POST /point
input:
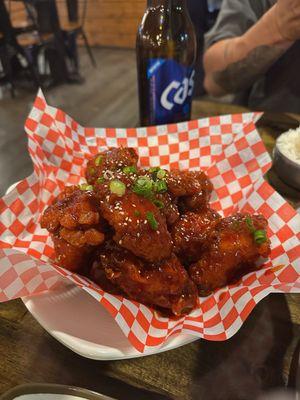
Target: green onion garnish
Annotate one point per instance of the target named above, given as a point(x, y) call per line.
point(250, 225)
point(157, 173)
point(160, 187)
point(98, 160)
point(137, 213)
point(143, 187)
point(101, 179)
point(117, 187)
point(86, 186)
point(260, 236)
point(158, 203)
point(130, 170)
point(154, 169)
point(161, 174)
point(152, 221)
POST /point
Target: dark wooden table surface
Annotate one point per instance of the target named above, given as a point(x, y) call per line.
point(255, 360)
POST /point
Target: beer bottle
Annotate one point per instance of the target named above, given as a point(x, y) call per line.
point(166, 53)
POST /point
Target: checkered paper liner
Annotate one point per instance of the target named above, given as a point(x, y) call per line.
point(231, 151)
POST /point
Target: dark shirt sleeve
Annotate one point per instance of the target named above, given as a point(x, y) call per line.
point(234, 19)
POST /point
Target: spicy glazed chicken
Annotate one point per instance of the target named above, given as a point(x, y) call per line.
point(76, 227)
point(150, 234)
point(232, 248)
point(165, 284)
point(190, 233)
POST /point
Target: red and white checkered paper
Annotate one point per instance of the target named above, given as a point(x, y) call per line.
point(231, 151)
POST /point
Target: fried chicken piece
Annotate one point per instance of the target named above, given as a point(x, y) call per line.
point(73, 208)
point(80, 238)
point(74, 221)
point(138, 224)
point(190, 233)
point(193, 187)
point(72, 258)
point(169, 209)
point(98, 275)
point(110, 160)
point(231, 252)
point(165, 285)
point(169, 206)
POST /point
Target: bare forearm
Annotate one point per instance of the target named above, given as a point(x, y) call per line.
point(242, 74)
point(235, 64)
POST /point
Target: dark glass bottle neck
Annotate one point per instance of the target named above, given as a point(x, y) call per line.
point(155, 3)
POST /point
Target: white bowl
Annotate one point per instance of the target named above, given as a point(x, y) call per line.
point(79, 322)
point(287, 170)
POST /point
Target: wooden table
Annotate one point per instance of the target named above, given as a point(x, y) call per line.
point(257, 358)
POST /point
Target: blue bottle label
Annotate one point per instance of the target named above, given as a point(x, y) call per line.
point(170, 90)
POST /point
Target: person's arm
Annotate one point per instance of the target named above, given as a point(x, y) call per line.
point(232, 65)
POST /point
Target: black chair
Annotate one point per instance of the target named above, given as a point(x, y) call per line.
point(19, 27)
point(11, 50)
point(44, 16)
point(75, 28)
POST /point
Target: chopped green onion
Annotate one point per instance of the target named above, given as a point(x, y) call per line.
point(157, 173)
point(260, 236)
point(160, 187)
point(152, 221)
point(158, 203)
point(117, 187)
point(161, 174)
point(98, 160)
point(92, 171)
point(101, 179)
point(154, 169)
point(250, 225)
point(86, 186)
point(143, 187)
point(137, 213)
point(130, 170)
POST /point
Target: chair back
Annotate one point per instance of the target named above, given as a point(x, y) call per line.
point(5, 23)
point(72, 9)
point(76, 10)
point(44, 15)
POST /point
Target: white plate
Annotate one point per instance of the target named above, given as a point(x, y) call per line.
point(80, 323)
point(45, 391)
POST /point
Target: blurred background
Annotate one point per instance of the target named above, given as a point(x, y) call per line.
point(52, 37)
point(82, 54)
point(51, 42)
